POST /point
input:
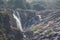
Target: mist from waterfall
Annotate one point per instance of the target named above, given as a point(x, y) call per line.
point(18, 20)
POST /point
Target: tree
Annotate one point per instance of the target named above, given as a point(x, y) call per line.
point(38, 7)
point(1, 3)
point(17, 4)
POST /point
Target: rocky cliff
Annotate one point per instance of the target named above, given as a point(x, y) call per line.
point(7, 30)
point(46, 29)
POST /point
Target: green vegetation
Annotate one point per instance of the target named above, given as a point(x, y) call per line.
point(2, 30)
point(38, 27)
point(1, 20)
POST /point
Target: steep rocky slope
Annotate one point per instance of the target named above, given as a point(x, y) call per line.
point(46, 29)
point(7, 30)
point(49, 28)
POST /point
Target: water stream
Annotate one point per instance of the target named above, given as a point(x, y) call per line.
point(16, 16)
point(40, 18)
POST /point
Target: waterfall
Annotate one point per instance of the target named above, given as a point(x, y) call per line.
point(40, 18)
point(18, 20)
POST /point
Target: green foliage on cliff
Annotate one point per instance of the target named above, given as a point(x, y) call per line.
point(1, 20)
point(37, 27)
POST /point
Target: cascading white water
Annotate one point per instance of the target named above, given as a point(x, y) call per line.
point(18, 21)
point(17, 18)
point(40, 18)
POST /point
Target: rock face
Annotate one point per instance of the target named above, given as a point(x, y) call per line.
point(50, 31)
point(28, 19)
point(6, 27)
point(47, 29)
